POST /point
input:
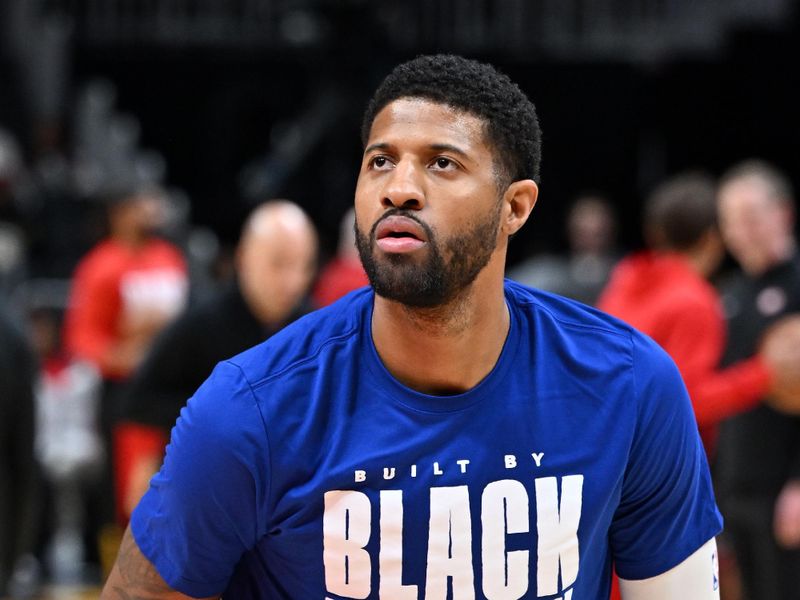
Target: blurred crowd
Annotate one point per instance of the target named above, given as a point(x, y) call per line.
point(733, 333)
point(114, 307)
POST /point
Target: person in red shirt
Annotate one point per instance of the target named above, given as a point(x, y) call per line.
point(663, 292)
point(124, 291)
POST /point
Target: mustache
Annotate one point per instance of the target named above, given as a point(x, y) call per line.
point(400, 212)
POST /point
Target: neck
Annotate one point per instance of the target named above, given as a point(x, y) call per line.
point(700, 262)
point(447, 349)
point(705, 255)
point(130, 239)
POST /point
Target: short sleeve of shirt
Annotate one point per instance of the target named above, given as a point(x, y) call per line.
point(201, 512)
point(667, 510)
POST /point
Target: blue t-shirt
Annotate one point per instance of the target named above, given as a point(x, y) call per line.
point(302, 469)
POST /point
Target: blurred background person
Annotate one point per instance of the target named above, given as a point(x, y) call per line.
point(19, 475)
point(344, 272)
point(663, 291)
point(275, 264)
point(124, 291)
point(69, 447)
point(591, 229)
point(758, 460)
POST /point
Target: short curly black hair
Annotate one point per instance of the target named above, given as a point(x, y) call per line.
point(512, 127)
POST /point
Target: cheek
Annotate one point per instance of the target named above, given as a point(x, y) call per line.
point(289, 280)
point(365, 191)
point(775, 226)
point(738, 230)
point(297, 278)
point(258, 274)
point(756, 232)
point(362, 225)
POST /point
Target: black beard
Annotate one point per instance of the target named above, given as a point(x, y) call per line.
point(434, 282)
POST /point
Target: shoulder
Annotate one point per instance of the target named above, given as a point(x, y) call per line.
point(164, 253)
point(565, 314)
point(103, 260)
point(198, 324)
point(208, 327)
point(164, 247)
point(206, 311)
point(586, 338)
point(330, 329)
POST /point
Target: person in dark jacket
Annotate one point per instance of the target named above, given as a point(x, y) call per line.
point(758, 460)
point(664, 292)
point(275, 265)
point(19, 476)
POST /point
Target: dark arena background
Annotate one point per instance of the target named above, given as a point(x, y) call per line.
point(250, 99)
point(228, 103)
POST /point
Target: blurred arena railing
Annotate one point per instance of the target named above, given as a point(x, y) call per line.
point(568, 29)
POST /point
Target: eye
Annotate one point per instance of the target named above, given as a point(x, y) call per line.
point(379, 162)
point(443, 163)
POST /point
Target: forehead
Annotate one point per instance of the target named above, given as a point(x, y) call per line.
point(279, 239)
point(133, 204)
point(418, 119)
point(751, 193)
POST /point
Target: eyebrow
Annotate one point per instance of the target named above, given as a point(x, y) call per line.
point(448, 148)
point(437, 147)
point(378, 146)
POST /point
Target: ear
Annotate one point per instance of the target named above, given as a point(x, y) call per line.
point(518, 202)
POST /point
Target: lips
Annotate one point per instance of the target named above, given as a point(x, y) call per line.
point(397, 234)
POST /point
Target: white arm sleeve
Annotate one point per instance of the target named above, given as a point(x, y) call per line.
point(696, 578)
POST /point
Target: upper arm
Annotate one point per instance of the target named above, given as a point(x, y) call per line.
point(207, 505)
point(92, 313)
point(134, 577)
point(696, 578)
point(667, 508)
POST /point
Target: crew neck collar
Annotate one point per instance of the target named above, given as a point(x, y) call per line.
point(402, 394)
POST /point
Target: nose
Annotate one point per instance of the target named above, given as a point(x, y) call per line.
point(403, 187)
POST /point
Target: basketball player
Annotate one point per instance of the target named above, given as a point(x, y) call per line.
point(445, 434)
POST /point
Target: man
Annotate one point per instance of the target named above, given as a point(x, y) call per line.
point(124, 291)
point(275, 264)
point(447, 434)
point(664, 293)
point(758, 464)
